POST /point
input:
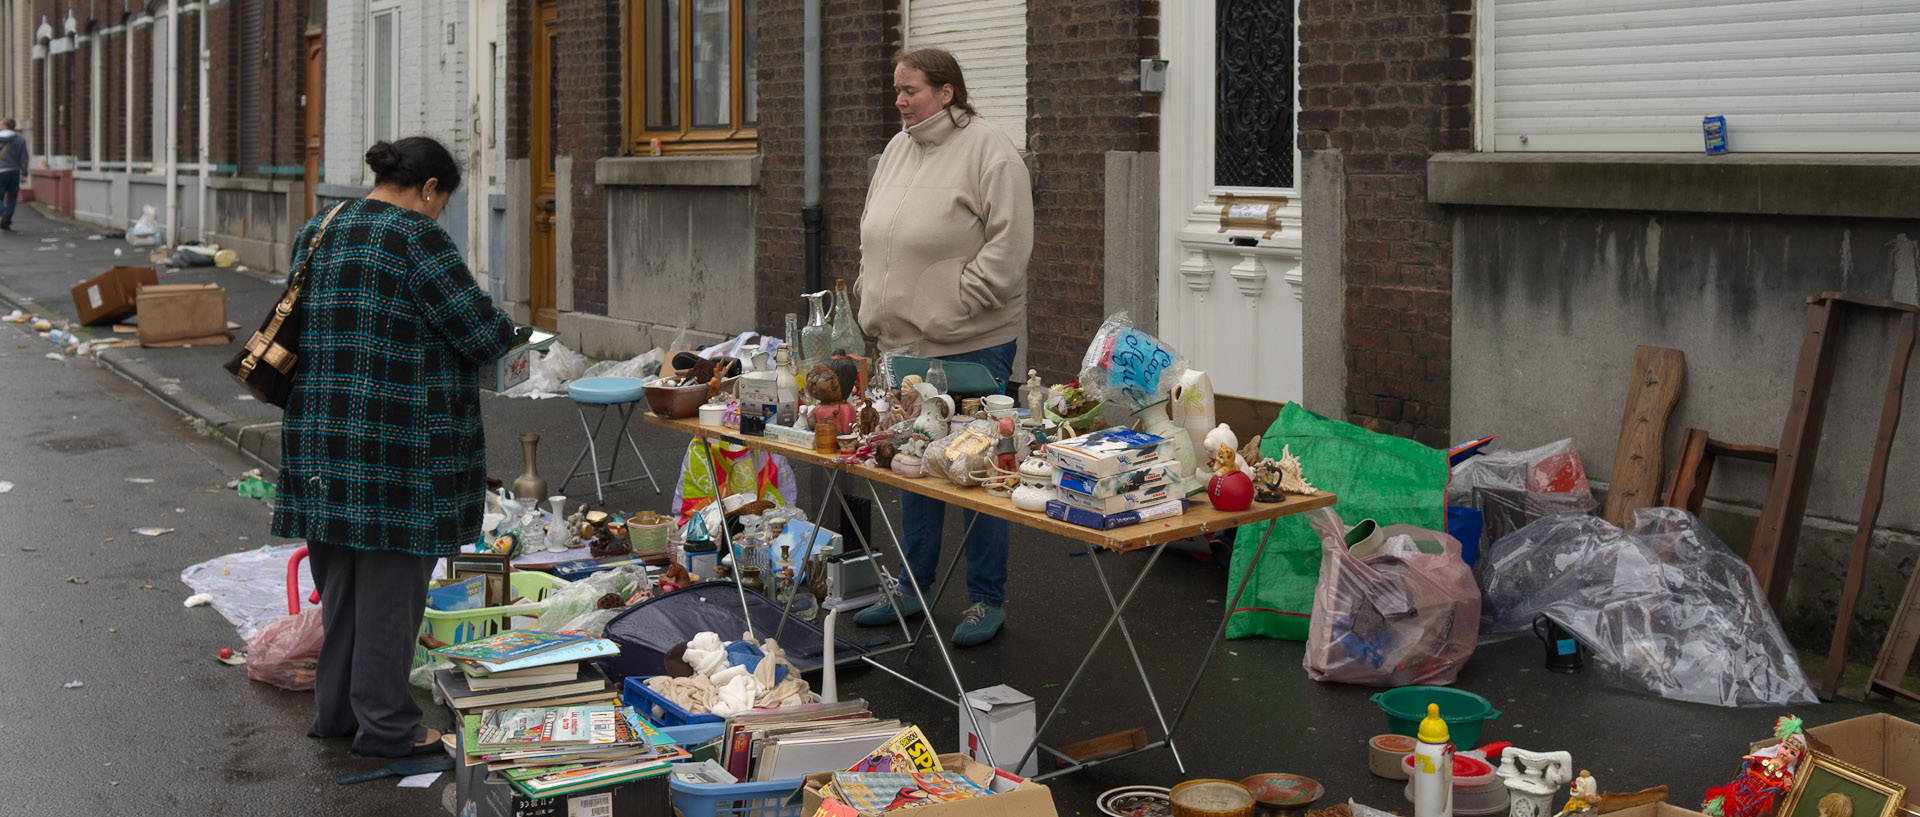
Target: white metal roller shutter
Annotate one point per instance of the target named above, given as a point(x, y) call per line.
point(1638, 75)
point(989, 38)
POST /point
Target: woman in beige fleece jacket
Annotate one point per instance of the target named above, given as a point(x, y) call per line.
point(943, 268)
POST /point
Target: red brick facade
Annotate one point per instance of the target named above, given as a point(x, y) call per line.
point(1388, 84)
point(282, 76)
point(589, 47)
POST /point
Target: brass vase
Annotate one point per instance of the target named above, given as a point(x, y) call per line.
point(529, 484)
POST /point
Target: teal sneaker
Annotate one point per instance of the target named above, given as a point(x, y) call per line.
point(881, 613)
point(980, 624)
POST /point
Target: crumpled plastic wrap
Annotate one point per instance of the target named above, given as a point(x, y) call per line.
point(1128, 367)
point(964, 457)
point(1401, 616)
point(1664, 608)
point(286, 652)
point(644, 366)
point(576, 606)
point(249, 588)
point(1513, 488)
point(549, 374)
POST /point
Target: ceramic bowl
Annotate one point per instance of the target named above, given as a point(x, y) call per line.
point(675, 402)
point(1135, 801)
point(1208, 797)
point(1282, 793)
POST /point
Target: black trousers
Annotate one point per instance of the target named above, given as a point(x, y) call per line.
point(371, 606)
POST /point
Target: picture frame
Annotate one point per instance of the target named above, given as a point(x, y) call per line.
point(496, 567)
point(1822, 776)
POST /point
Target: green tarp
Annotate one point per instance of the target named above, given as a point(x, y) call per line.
point(1391, 480)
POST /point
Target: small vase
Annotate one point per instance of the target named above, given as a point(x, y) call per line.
point(529, 484)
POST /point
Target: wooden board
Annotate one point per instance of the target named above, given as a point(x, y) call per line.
point(1200, 518)
point(1651, 395)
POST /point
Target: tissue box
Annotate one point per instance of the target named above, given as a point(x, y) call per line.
point(1099, 521)
point(1110, 451)
point(1006, 727)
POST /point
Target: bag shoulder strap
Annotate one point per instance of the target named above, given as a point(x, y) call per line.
point(298, 277)
point(265, 343)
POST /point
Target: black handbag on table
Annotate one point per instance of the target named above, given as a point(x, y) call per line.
point(277, 344)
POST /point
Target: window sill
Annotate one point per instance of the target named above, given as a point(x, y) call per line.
point(679, 171)
point(1809, 184)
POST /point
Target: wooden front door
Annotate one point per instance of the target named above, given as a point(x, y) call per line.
point(316, 96)
point(541, 290)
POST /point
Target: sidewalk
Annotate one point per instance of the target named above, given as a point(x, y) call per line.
point(1256, 710)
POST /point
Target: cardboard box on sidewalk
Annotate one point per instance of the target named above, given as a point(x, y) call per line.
point(1880, 743)
point(1013, 796)
point(1656, 810)
point(111, 295)
point(1006, 727)
point(183, 314)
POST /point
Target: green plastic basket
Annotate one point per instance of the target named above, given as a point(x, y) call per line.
point(1463, 711)
point(461, 626)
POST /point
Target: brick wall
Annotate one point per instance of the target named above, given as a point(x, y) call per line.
point(114, 90)
point(857, 43)
point(142, 90)
point(519, 76)
point(1083, 99)
point(587, 114)
point(1388, 83)
point(223, 84)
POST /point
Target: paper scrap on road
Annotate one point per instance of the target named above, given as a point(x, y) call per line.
point(72, 685)
point(419, 781)
point(198, 599)
point(152, 531)
point(141, 480)
point(5, 486)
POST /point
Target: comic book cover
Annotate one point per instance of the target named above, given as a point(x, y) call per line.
point(908, 751)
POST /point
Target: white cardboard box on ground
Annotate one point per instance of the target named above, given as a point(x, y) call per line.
point(1006, 727)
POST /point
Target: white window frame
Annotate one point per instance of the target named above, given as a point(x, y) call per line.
point(375, 11)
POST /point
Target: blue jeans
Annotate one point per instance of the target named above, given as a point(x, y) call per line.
point(9, 195)
point(922, 518)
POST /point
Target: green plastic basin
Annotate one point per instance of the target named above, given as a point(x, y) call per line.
point(1463, 711)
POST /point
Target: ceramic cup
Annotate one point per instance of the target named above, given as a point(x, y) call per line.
point(710, 414)
point(847, 442)
point(997, 405)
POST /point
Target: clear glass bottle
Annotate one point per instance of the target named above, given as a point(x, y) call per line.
point(792, 339)
point(937, 375)
point(846, 331)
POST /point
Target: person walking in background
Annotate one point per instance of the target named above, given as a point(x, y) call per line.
point(13, 169)
point(383, 460)
point(944, 244)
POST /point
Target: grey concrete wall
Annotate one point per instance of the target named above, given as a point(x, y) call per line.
point(681, 256)
point(1323, 301)
point(1131, 262)
point(255, 219)
point(1550, 303)
point(497, 247)
point(518, 242)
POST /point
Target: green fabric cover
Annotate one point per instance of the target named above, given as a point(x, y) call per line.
point(1391, 480)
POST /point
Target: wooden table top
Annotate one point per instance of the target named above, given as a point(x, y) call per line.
point(1200, 518)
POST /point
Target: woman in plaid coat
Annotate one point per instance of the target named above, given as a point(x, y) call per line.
point(383, 461)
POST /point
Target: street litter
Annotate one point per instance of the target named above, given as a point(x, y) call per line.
point(248, 588)
point(141, 480)
point(232, 657)
point(151, 531)
point(143, 233)
point(5, 486)
point(72, 685)
point(198, 600)
point(419, 781)
point(76, 580)
point(16, 316)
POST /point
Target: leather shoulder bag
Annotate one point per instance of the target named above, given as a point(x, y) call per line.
point(266, 366)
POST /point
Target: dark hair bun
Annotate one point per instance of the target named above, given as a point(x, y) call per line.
point(383, 158)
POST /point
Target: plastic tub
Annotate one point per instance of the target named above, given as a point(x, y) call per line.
point(658, 709)
point(1464, 712)
point(461, 626)
point(764, 799)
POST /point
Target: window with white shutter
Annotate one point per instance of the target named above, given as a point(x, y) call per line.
point(989, 39)
point(1640, 75)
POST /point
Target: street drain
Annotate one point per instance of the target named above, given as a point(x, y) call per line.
point(82, 445)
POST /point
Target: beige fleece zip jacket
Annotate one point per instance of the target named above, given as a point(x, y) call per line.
point(945, 239)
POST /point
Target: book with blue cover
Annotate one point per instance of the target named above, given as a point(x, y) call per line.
point(587, 649)
point(509, 645)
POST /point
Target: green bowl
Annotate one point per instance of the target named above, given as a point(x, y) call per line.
point(1463, 711)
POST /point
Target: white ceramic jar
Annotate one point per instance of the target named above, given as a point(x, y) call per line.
point(1036, 485)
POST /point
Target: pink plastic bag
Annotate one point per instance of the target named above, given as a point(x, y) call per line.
point(285, 652)
point(1401, 616)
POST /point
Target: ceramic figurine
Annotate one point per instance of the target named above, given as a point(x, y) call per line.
point(1036, 394)
point(1582, 793)
point(1230, 489)
point(825, 387)
point(1036, 484)
point(869, 419)
point(1219, 443)
point(574, 524)
point(1532, 778)
point(883, 452)
point(1193, 406)
point(1005, 445)
point(935, 410)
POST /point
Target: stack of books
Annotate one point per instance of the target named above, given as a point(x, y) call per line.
point(887, 791)
point(560, 750)
point(795, 741)
point(1115, 477)
point(525, 668)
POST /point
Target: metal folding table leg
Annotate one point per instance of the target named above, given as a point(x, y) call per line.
point(626, 430)
point(940, 588)
point(592, 432)
point(1093, 555)
point(1088, 658)
point(1207, 658)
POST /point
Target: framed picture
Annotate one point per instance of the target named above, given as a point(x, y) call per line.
point(494, 566)
point(1826, 786)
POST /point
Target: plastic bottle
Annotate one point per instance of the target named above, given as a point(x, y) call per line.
point(1433, 768)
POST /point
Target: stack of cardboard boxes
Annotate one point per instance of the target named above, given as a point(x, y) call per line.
point(170, 314)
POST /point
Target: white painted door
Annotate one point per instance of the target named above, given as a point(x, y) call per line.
point(1230, 274)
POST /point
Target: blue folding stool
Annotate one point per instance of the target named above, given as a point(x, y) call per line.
point(622, 394)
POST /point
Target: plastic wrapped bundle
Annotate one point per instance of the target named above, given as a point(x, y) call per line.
point(1664, 608)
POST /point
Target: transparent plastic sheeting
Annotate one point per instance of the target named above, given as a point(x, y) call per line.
point(249, 587)
point(1664, 608)
point(1513, 488)
point(1124, 362)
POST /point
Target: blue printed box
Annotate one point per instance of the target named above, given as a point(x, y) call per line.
point(1110, 451)
point(1124, 482)
point(1108, 521)
point(1129, 501)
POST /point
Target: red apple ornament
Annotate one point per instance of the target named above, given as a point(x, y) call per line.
point(1230, 489)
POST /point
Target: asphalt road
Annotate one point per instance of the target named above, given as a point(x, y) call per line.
point(160, 728)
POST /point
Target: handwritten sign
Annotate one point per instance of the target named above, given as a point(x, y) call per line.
point(1136, 360)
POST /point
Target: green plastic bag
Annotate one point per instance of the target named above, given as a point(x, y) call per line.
point(1391, 480)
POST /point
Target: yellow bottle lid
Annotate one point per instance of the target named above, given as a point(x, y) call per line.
point(1432, 728)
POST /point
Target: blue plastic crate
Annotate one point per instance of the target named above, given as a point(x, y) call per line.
point(662, 711)
point(765, 799)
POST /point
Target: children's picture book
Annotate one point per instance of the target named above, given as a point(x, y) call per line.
point(587, 649)
point(907, 751)
point(510, 645)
